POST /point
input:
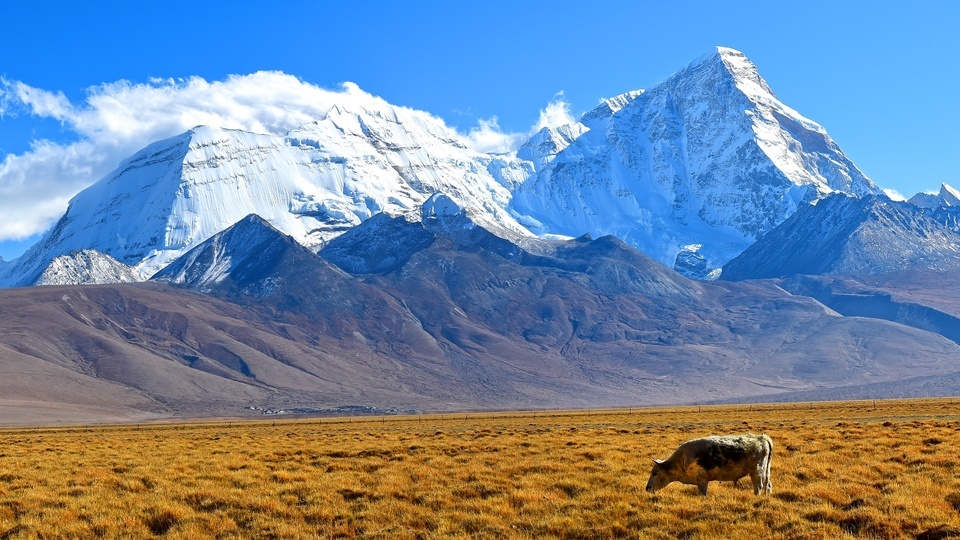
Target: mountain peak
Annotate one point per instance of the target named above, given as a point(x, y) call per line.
point(202, 135)
point(251, 222)
point(87, 266)
point(608, 107)
point(721, 54)
point(727, 62)
point(949, 195)
point(439, 206)
point(545, 144)
point(242, 250)
point(709, 158)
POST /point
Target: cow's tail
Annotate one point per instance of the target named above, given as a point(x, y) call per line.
point(768, 446)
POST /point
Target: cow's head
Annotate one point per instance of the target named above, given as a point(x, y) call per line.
point(660, 475)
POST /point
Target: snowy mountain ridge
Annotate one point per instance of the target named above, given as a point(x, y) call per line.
point(690, 171)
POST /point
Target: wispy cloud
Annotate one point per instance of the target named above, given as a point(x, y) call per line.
point(556, 114)
point(894, 194)
point(36, 101)
point(488, 137)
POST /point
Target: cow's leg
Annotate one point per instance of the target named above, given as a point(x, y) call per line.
point(757, 479)
point(767, 485)
point(702, 486)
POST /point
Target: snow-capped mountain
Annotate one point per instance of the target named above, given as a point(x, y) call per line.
point(691, 171)
point(843, 235)
point(947, 196)
point(313, 184)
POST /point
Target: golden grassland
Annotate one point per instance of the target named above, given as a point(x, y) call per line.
point(885, 469)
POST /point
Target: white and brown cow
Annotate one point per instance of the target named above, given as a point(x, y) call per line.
point(726, 458)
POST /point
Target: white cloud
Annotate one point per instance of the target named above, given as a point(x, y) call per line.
point(894, 194)
point(36, 186)
point(262, 102)
point(556, 114)
point(41, 102)
point(488, 137)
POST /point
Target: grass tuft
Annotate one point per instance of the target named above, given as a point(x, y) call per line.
point(160, 521)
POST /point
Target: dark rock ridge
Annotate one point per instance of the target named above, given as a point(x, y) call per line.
point(850, 236)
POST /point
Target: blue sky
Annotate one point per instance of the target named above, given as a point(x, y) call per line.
point(882, 78)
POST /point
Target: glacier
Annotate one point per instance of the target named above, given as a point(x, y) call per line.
point(691, 171)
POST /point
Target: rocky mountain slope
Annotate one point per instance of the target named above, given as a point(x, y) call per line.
point(919, 298)
point(437, 314)
point(86, 266)
point(851, 236)
point(869, 257)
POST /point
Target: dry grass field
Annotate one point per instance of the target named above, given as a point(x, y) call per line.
point(887, 469)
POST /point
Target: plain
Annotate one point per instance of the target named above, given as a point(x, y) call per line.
point(884, 469)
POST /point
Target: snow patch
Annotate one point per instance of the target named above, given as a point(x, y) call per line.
point(86, 267)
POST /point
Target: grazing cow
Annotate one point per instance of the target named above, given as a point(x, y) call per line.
point(727, 458)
